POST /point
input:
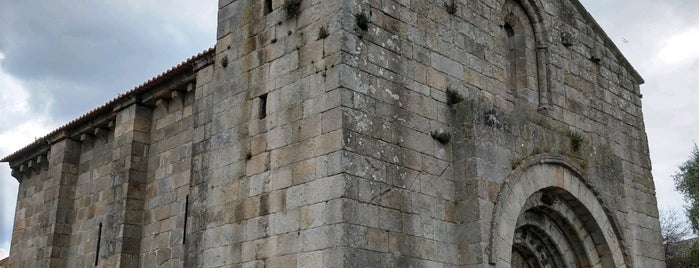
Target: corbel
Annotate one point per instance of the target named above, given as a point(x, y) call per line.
point(191, 86)
point(42, 162)
point(163, 103)
point(86, 138)
point(567, 39)
point(17, 174)
point(595, 54)
point(102, 133)
point(637, 90)
point(177, 95)
point(24, 170)
point(33, 166)
point(126, 103)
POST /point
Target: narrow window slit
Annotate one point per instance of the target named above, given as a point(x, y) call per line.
point(263, 107)
point(511, 56)
point(268, 6)
point(186, 214)
point(509, 31)
point(99, 241)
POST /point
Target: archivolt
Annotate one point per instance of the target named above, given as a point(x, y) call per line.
point(534, 10)
point(583, 217)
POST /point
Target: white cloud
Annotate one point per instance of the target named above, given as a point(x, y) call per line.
point(178, 18)
point(3, 253)
point(20, 124)
point(47, 52)
point(178, 12)
point(680, 48)
point(662, 37)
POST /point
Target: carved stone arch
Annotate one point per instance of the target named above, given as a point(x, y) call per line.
point(533, 11)
point(557, 175)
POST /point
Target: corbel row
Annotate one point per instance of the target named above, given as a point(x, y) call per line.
point(175, 96)
point(35, 165)
point(97, 133)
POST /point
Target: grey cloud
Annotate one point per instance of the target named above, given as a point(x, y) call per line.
point(73, 57)
point(8, 195)
point(670, 115)
point(84, 54)
point(636, 18)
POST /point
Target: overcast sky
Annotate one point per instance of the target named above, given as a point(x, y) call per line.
point(59, 59)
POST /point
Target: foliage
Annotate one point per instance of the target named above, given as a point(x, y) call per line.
point(362, 21)
point(674, 230)
point(451, 7)
point(672, 226)
point(690, 257)
point(687, 182)
point(322, 33)
point(292, 7)
point(576, 141)
point(453, 97)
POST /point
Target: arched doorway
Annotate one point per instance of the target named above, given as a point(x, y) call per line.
point(546, 216)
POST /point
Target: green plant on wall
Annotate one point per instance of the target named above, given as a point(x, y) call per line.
point(451, 7)
point(453, 97)
point(292, 8)
point(322, 33)
point(362, 21)
point(576, 141)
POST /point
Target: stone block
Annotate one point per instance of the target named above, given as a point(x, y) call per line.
point(284, 221)
point(310, 259)
point(258, 164)
point(303, 171)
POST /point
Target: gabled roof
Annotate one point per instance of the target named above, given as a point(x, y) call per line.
point(184, 67)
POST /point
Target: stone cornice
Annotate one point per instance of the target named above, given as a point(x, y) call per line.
point(94, 123)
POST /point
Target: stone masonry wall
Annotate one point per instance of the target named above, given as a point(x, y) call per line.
point(30, 214)
point(90, 200)
point(266, 168)
point(168, 177)
point(434, 202)
point(402, 198)
point(29, 239)
point(112, 192)
point(312, 141)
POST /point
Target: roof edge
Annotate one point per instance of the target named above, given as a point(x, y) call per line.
point(608, 41)
point(187, 65)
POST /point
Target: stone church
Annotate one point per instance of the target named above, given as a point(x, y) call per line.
point(358, 133)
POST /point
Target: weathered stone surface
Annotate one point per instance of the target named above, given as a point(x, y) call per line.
point(284, 149)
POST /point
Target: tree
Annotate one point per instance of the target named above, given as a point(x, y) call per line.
point(674, 231)
point(687, 182)
point(690, 256)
